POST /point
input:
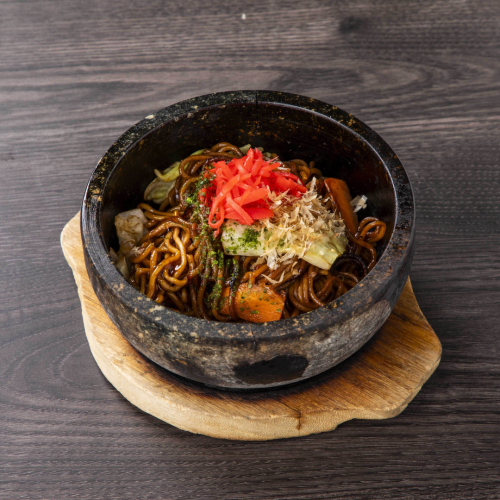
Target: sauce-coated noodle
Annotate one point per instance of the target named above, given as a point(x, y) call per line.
point(176, 265)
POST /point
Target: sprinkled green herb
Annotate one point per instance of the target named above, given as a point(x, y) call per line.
point(250, 238)
point(212, 254)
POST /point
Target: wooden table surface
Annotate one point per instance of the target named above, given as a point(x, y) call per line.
point(76, 74)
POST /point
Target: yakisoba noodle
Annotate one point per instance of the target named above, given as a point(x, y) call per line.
point(181, 264)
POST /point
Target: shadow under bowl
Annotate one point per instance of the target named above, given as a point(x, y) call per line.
point(248, 355)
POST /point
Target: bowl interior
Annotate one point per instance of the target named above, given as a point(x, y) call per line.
point(289, 131)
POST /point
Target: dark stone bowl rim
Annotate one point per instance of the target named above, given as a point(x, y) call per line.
point(164, 319)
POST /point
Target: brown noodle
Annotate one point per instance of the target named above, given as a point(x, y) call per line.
point(175, 267)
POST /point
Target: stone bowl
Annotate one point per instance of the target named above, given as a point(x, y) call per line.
point(243, 355)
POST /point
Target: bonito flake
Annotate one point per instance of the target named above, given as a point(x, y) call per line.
point(296, 224)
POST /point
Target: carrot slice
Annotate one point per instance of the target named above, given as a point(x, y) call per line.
point(341, 195)
point(259, 303)
point(224, 301)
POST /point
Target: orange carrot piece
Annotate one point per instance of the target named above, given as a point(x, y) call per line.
point(259, 303)
point(224, 301)
point(340, 193)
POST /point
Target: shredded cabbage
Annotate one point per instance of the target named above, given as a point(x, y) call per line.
point(160, 188)
point(130, 229)
point(170, 174)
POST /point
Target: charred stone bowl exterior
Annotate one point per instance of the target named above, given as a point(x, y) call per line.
point(249, 356)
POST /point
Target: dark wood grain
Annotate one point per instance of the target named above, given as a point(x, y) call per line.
point(74, 75)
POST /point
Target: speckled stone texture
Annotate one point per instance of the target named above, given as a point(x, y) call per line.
point(250, 356)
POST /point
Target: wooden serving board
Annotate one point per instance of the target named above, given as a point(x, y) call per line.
point(375, 383)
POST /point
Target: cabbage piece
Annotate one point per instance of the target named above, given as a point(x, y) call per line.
point(160, 188)
point(158, 191)
point(249, 241)
point(325, 251)
point(240, 239)
point(130, 229)
point(170, 174)
point(122, 266)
